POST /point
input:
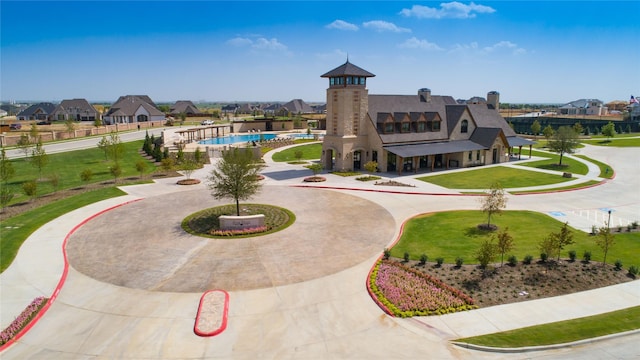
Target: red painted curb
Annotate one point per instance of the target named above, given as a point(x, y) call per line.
point(63, 278)
point(225, 313)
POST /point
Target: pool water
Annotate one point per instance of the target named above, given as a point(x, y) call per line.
point(233, 139)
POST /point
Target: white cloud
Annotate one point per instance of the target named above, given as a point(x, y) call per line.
point(454, 9)
point(260, 43)
point(342, 25)
point(239, 42)
point(268, 44)
point(380, 26)
point(415, 43)
point(505, 45)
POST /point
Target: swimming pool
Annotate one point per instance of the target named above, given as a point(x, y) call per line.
point(233, 139)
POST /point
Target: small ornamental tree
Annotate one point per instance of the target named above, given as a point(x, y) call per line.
point(103, 145)
point(371, 166)
point(504, 243)
point(493, 203)
point(235, 176)
point(39, 157)
point(605, 240)
point(141, 167)
point(553, 244)
point(86, 175)
point(24, 144)
point(486, 253)
point(535, 128)
point(609, 130)
point(6, 168)
point(316, 168)
point(188, 167)
point(30, 188)
point(565, 140)
point(547, 132)
point(115, 170)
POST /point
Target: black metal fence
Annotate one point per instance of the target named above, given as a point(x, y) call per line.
point(522, 125)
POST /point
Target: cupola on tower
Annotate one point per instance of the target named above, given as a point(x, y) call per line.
point(347, 107)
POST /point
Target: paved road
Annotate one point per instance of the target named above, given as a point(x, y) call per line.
point(326, 316)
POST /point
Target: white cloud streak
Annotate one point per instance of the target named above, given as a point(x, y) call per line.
point(415, 43)
point(383, 26)
point(342, 25)
point(453, 10)
point(260, 43)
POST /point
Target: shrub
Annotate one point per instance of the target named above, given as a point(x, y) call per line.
point(406, 257)
point(423, 259)
point(572, 255)
point(86, 175)
point(513, 260)
point(167, 163)
point(633, 271)
point(527, 259)
point(386, 254)
point(586, 256)
point(544, 257)
point(439, 261)
point(618, 264)
point(459, 261)
point(30, 188)
point(634, 225)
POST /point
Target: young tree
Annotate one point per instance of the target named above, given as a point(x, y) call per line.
point(39, 157)
point(188, 167)
point(197, 155)
point(141, 166)
point(565, 140)
point(183, 117)
point(493, 202)
point(609, 130)
point(30, 188)
point(6, 168)
point(5, 196)
point(24, 144)
point(235, 176)
point(371, 166)
point(557, 241)
point(86, 175)
point(33, 132)
point(504, 243)
point(486, 253)
point(115, 170)
point(316, 168)
point(103, 145)
point(70, 125)
point(605, 241)
point(577, 127)
point(116, 148)
point(547, 132)
point(535, 128)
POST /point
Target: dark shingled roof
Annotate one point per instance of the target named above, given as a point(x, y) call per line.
point(347, 69)
point(485, 136)
point(447, 147)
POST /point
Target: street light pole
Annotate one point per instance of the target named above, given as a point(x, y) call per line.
point(609, 222)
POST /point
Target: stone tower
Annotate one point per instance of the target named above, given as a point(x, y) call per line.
point(347, 107)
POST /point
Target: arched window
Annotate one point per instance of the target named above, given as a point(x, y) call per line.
point(464, 127)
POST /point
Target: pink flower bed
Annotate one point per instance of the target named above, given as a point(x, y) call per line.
point(407, 292)
point(22, 320)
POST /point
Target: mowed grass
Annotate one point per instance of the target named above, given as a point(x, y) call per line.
point(455, 234)
point(67, 167)
point(309, 152)
point(606, 171)
point(551, 163)
point(483, 178)
point(614, 142)
point(563, 331)
point(17, 229)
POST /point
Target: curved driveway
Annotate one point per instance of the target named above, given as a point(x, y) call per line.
point(327, 314)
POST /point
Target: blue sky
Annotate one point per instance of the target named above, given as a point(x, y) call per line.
point(529, 51)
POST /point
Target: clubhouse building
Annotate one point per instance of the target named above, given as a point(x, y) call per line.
point(410, 133)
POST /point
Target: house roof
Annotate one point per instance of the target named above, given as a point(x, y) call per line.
point(44, 107)
point(75, 106)
point(485, 136)
point(298, 106)
point(347, 69)
point(580, 103)
point(184, 106)
point(446, 147)
point(128, 105)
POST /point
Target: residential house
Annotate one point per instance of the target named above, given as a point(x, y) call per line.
point(40, 112)
point(184, 107)
point(421, 132)
point(294, 107)
point(75, 109)
point(584, 107)
point(132, 109)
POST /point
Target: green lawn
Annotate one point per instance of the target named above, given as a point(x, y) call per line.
point(563, 331)
point(309, 152)
point(455, 234)
point(17, 229)
point(67, 167)
point(483, 178)
point(551, 163)
point(605, 170)
point(614, 142)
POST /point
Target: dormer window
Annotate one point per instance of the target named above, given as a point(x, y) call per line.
point(421, 126)
point(388, 128)
point(464, 126)
point(406, 127)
